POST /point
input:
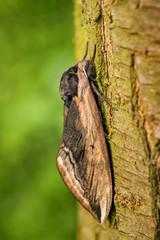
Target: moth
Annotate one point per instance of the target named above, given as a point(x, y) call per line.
point(83, 160)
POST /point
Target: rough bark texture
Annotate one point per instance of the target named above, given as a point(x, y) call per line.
point(127, 36)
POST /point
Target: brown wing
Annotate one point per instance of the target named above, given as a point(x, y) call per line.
point(83, 160)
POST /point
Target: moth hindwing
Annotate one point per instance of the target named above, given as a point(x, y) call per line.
point(83, 160)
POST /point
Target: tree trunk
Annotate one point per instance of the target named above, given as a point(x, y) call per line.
point(127, 36)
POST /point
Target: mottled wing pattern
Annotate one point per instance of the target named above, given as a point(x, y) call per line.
point(83, 160)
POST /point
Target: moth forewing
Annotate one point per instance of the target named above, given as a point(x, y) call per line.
point(83, 160)
point(97, 152)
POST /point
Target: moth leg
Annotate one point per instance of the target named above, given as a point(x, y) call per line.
point(91, 78)
point(95, 89)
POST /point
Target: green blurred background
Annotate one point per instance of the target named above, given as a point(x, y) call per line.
point(35, 49)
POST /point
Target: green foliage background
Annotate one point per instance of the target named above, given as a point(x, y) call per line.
point(35, 49)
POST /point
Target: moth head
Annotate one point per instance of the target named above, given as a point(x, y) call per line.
point(68, 85)
point(69, 80)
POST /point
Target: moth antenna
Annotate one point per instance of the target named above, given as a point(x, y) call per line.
point(100, 95)
point(85, 55)
point(94, 54)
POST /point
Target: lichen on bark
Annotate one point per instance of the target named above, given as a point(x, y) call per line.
point(127, 37)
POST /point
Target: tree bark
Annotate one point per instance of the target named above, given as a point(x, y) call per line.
point(127, 36)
